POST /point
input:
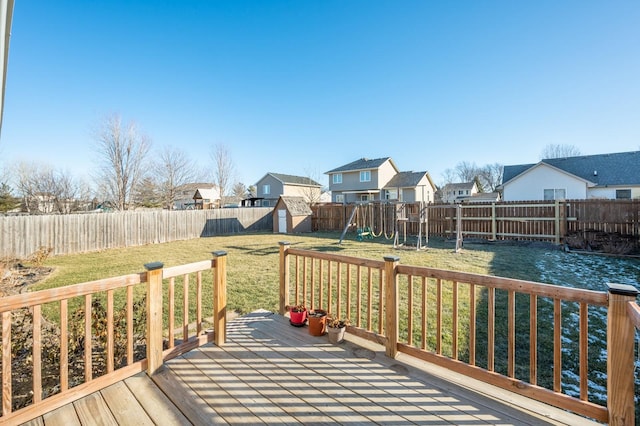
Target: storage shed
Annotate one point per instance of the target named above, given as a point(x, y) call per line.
point(291, 215)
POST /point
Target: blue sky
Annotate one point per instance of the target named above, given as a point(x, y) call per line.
point(302, 87)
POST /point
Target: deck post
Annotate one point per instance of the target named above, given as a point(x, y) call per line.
point(284, 276)
point(620, 362)
point(219, 266)
point(391, 304)
point(154, 316)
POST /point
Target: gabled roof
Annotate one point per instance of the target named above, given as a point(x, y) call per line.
point(603, 169)
point(205, 194)
point(296, 206)
point(408, 180)
point(457, 186)
point(293, 180)
point(363, 164)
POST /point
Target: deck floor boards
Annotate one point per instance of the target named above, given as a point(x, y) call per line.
point(272, 373)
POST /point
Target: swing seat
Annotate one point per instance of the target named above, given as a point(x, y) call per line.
point(364, 233)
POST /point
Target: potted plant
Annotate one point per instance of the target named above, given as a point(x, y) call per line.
point(317, 322)
point(336, 328)
point(298, 315)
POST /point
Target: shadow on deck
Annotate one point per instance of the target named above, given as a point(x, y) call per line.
point(272, 373)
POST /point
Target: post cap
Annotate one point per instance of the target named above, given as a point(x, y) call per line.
point(622, 289)
point(391, 258)
point(219, 253)
point(284, 243)
point(153, 266)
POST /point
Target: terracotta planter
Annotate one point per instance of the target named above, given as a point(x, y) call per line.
point(297, 319)
point(336, 334)
point(317, 322)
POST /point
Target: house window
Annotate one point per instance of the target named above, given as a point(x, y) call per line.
point(623, 194)
point(266, 189)
point(364, 197)
point(337, 178)
point(554, 194)
point(460, 192)
point(365, 176)
point(392, 194)
point(339, 198)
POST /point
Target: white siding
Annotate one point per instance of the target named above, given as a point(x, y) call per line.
point(531, 185)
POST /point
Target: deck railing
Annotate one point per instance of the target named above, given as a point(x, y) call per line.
point(538, 340)
point(82, 338)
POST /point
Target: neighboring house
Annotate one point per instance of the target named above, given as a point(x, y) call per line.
point(291, 215)
point(273, 185)
point(410, 187)
point(184, 194)
point(484, 197)
point(604, 176)
point(458, 192)
point(361, 180)
point(206, 198)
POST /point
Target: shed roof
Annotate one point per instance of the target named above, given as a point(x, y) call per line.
point(603, 169)
point(296, 206)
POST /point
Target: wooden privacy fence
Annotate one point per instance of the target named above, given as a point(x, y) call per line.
point(534, 339)
point(534, 220)
point(21, 236)
point(61, 344)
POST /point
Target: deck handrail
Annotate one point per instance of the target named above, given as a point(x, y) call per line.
point(384, 294)
point(52, 306)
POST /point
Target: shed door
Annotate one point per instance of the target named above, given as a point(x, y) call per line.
point(282, 221)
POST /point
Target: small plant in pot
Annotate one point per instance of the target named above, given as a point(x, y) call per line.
point(336, 327)
point(298, 315)
point(317, 322)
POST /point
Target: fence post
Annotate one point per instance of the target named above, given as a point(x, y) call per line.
point(620, 362)
point(154, 316)
point(494, 224)
point(284, 276)
point(219, 265)
point(391, 304)
point(557, 230)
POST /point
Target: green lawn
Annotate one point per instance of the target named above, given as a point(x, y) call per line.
point(253, 261)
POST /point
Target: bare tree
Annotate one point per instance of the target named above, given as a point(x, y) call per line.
point(491, 176)
point(122, 151)
point(311, 192)
point(559, 151)
point(223, 172)
point(46, 190)
point(239, 190)
point(173, 169)
point(466, 171)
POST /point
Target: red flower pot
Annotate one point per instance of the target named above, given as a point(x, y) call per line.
point(298, 318)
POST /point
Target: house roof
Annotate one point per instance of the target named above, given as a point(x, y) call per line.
point(293, 180)
point(205, 194)
point(407, 180)
point(297, 206)
point(621, 168)
point(456, 186)
point(363, 164)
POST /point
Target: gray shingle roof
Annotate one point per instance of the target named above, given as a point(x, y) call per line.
point(603, 169)
point(297, 206)
point(405, 180)
point(295, 180)
point(361, 164)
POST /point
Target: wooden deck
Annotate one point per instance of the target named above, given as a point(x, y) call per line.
point(272, 373)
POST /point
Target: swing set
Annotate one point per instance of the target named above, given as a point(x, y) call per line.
point(373, 220)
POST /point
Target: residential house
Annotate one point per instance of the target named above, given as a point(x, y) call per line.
point(273, 185)
point(458, 192)
point(604, 176)
point(184, 194)
point(361, 180)
point(206, 198)
point(410, 187)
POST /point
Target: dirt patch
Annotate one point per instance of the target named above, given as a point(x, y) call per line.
point(15, 278)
